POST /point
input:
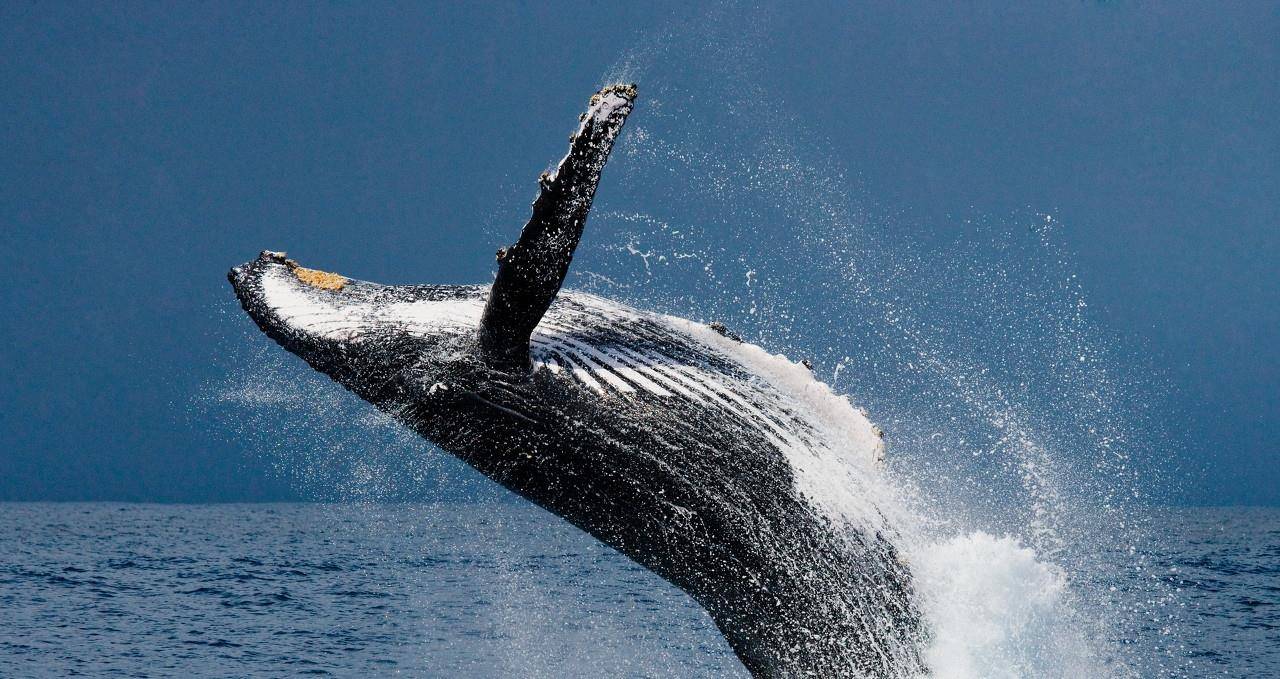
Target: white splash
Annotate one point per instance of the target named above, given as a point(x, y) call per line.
point(998, 612)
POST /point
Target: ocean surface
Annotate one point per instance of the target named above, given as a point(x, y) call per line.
point(449, 590)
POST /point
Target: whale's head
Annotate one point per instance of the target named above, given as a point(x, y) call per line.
point(376, 340)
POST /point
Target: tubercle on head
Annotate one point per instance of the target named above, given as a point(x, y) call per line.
point(625, 90)
point(321, 279)
point(315, 278)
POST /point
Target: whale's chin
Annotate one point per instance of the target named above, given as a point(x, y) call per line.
point(289, 300)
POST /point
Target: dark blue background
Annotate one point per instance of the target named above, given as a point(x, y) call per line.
point(147, 148)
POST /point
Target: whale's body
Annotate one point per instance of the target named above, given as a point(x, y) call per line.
point(697, 455)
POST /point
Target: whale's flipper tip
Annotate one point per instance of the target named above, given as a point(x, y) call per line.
point(531, 271)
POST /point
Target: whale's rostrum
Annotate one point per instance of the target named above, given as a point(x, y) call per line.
point(699, 456)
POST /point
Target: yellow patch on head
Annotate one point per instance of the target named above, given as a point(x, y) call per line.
point(320, 279)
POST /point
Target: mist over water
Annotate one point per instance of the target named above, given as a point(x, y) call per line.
point(1015, 443)
point(326, 440)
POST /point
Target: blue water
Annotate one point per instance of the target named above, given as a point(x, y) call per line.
point(458, 591)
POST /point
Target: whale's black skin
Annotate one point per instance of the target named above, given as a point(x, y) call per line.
point(663, 438)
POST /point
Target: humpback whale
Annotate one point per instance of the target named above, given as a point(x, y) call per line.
point(701, 457)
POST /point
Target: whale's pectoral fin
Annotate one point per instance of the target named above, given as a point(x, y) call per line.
point(531, 271)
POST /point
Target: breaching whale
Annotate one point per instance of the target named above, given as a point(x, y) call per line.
point(697, 455)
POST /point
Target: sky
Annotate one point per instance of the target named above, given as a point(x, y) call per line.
point(149, 147)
